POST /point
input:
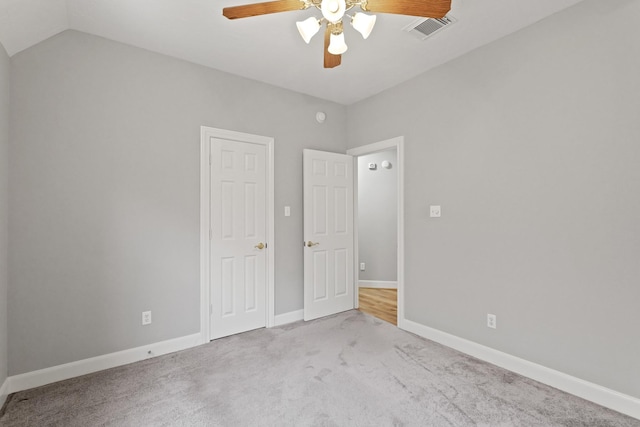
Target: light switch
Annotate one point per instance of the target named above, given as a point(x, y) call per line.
point(434, 211)
point(287, 211)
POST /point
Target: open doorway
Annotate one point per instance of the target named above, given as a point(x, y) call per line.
point(377, 234)
point(379, 225)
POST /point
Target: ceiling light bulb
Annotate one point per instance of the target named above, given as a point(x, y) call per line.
point(363, 23)
point(333, 10)
point(308, 28)
point(337, 46)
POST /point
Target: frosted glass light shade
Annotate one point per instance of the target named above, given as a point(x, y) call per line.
point(363, 23)
point(308, 28)
point(337, 46)
point(333, 10)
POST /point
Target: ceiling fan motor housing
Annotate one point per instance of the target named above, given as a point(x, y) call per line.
point(333, 10)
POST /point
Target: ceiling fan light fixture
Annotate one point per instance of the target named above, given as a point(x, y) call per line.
point(308, 28)
point(363, 23)
point(333, 10)
point(337, 46)
point(334, 14)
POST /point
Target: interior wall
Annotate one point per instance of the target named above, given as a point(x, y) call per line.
point(4, 210)
point(377, 217)
point(104, 198)
point(530, 145)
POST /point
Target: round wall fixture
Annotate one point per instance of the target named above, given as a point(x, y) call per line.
point(385, 164)
point(321, 117)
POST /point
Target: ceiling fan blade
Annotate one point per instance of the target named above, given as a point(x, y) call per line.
point(425, 8)
point(255, 9)
point(330, 60)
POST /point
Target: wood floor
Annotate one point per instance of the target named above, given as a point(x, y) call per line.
point(381, 303)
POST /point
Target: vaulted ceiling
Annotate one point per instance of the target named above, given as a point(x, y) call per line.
point(268, 48)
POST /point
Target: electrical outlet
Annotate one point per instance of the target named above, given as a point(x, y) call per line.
point(435, 211)
point(146, 317)
point(492, 321)
point(362, 266)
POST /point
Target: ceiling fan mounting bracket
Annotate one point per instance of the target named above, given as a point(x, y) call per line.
point(350, 4)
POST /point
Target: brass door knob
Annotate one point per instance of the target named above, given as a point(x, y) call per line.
point(260, 246)
point(310, 244)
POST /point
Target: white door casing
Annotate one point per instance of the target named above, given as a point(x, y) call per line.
point(328, 232)
point(237, 233)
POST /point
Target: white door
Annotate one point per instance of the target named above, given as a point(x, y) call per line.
point(238, 231)
point(328, 233)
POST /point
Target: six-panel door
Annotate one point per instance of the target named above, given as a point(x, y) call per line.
point(238, 223)
point(328, 233)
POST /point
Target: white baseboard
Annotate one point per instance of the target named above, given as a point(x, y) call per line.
point(82, 367)
point(4, 392)
point(290, 317)
point(380, 284)
point(606, 397)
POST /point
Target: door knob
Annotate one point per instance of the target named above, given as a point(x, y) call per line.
point(260, 246)
point(310, 244)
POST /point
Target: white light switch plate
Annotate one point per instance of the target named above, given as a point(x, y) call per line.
point(287, 211)
point(434, 211)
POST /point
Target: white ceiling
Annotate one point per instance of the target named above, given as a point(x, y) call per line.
point(268, 48)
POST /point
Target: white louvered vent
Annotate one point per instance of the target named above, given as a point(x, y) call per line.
point(426, 27)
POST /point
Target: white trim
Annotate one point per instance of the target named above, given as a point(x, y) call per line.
point(99, 363)
point(356, 238)
point(4, 392)
point(378, 284)
point(398, 144)
point(205, 184)
point(593, 392)
point(271, 235)
point(290, 317)
point(205, 227)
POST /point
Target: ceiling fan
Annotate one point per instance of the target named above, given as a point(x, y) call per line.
point(333, 12)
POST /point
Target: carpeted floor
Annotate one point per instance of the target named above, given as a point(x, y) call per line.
point(346, 370)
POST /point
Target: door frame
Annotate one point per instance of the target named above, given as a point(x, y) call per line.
point(398, 144)
point(205, 225)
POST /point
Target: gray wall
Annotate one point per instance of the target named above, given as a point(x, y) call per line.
point(529, 144)
point(104, 197)
point(4, 211)
point(532, 147)
point(377, 217)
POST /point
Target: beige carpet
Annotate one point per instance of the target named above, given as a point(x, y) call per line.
point(346, 370)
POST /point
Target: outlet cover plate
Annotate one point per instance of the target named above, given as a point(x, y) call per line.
point(492, 321)
point(146, 317)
